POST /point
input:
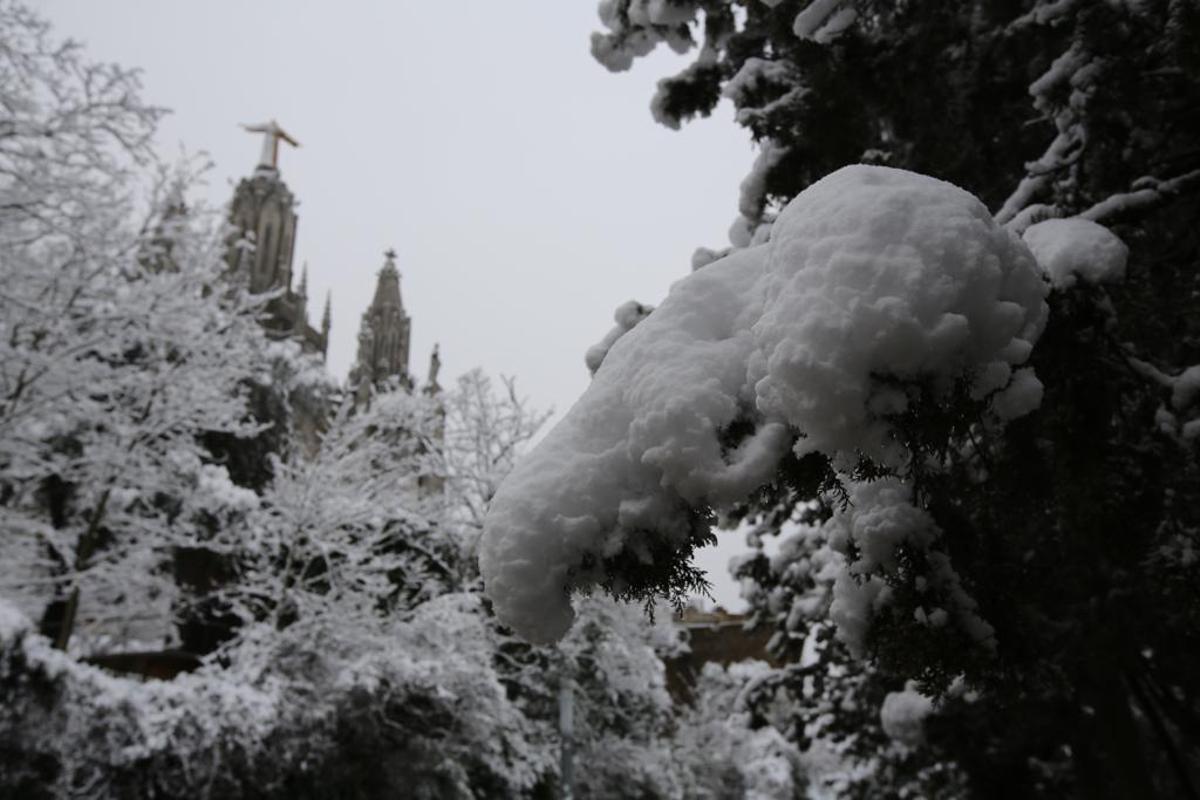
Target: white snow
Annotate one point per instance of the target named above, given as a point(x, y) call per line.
point(837, 25)
point(216, 487)
point(661, 12)
point(704, 256)
point(759, 78)
point(13, 624)
point(754, 75)
point(627, 315)
point(617, 55)
point(903, 715)
point(815, 16)
point(753, 191)
point(649, 22)
point(854, 604)
point(871, 273)
point(876, 271)
point(1074, 248)
point(1060, 73)
point(1021, 396)
point(1185, 388)
point(1045, 14)
point(879, 518)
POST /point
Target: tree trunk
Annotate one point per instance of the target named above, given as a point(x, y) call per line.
point(1110, 762)
point(83, 554)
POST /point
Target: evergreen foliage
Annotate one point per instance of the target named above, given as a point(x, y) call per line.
point(1074, 528)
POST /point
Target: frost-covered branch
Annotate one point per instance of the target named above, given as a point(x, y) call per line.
point(1147, 194)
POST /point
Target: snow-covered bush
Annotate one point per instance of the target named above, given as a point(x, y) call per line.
point(72, 730)
point(420, 714)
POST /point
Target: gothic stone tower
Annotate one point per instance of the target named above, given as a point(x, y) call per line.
point(382, 363)
point(262, 244)
point(384, 336)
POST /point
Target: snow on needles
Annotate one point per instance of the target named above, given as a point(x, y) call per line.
point(1073, 248)
point(903, 715)
point(871, 276)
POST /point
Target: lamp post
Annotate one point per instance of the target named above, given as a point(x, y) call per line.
point(566, 730)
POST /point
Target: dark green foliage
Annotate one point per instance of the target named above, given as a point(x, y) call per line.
point(658, 568)
point(1077, 528)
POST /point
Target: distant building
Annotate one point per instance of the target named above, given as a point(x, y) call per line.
point(261, 254)
point(382, 362)
point(383, 337)
point(262, 246)
point(714, 637)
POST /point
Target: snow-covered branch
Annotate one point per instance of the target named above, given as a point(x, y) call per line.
point(1146, 194)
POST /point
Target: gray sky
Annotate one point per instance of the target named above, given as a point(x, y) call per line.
point(526, 189)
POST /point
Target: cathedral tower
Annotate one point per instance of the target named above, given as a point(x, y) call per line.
point(384, 335)
point(262, 245)
point(263, 213)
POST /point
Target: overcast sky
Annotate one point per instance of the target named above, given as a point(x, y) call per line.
point(526, 189)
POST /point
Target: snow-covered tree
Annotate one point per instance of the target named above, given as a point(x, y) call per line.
point(484, 432)
point(416, 712)
point(723, 751)
point(985, 421)
point(149, 476)
point(342, 537)
point(119, 348)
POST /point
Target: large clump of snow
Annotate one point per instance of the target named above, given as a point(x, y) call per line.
point(880, 272)
point(872, 277)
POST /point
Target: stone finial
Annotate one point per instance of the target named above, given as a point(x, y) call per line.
point(435, 366)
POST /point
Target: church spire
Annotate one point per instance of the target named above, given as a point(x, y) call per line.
point(384, 336)
point(387, 289)
point(302, 290)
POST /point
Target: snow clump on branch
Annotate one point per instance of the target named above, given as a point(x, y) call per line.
point(903, 715)
point(638, 31)
point(1068, 249)
point(873, 278)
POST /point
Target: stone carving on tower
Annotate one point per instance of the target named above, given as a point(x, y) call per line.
point(262, 244)
point(383, 337)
